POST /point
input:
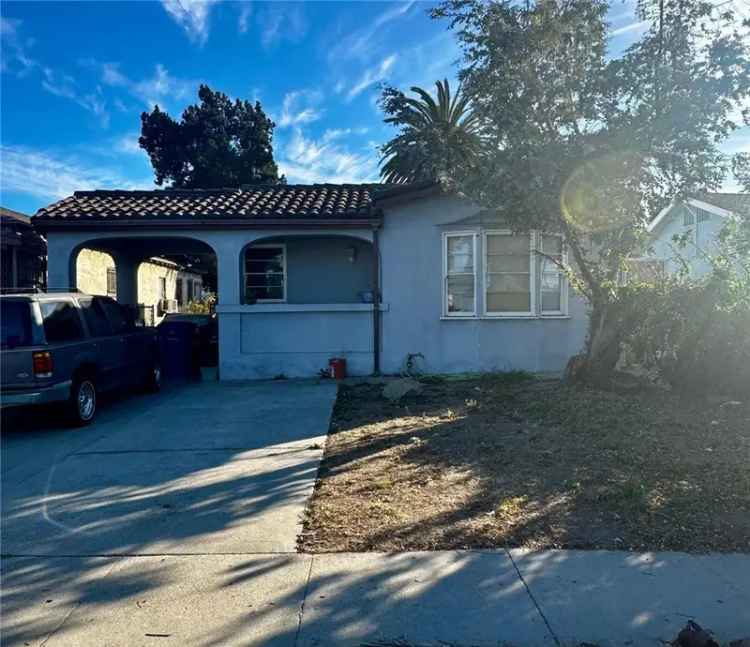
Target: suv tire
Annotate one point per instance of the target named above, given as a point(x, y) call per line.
point(81, 404)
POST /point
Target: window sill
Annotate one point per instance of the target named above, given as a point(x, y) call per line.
point(507, 318)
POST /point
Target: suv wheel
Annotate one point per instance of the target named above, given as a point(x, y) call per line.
point(82, 402)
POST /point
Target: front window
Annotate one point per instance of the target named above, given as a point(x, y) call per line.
point(508, 274)
point(265, 273)
point(460, 274)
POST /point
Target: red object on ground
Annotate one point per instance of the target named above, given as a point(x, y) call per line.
point(337, 366)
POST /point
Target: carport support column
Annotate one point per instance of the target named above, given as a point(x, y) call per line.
point(61, 273)
point(229, 273)
point(126, 267)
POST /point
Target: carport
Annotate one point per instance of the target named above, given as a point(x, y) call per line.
point(297, 266)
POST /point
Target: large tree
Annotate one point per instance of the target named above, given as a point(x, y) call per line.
point(592, 146)
point(437, 139)
point(217, 143)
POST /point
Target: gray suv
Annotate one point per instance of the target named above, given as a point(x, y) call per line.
point(68, 347)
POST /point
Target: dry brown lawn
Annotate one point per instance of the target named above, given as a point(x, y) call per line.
point(506, 460)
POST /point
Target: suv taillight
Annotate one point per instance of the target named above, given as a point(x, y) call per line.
point(42, 364)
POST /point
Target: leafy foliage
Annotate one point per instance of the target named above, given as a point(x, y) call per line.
point(694, 332)
point(593, 147)
point(437, 139)
point(218, 143)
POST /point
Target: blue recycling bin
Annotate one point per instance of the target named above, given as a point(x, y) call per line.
point(177, 349)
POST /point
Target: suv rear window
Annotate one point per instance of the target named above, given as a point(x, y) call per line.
point(61, 322)
point(95, 317)
point(117, 316)
point(15, 323)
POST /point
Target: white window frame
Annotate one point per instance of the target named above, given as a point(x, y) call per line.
point(456, 234)
point(245, 273)
point(563, 311)
point(532, 275)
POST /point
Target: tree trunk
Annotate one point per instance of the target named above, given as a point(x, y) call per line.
point(597, 364)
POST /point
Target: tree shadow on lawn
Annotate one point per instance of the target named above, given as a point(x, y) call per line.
point(482, 464)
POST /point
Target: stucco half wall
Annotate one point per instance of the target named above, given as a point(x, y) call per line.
point(412, 284)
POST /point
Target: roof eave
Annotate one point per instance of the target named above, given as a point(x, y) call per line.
point(51, 224)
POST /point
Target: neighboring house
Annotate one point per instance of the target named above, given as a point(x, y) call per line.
point(370, 273)
point(22, 252)
point(701, 218)
point(163, 286)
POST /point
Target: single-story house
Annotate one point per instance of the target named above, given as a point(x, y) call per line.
point(702, 218)
point(371, 273)
point(22, 252)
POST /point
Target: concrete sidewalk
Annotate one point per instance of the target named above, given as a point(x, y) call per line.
point(461, 597)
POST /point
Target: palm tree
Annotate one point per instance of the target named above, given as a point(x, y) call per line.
point(437, 140)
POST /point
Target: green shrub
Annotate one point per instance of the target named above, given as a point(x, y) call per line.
point(696, 333)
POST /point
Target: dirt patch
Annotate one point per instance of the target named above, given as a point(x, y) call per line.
point(506, 461)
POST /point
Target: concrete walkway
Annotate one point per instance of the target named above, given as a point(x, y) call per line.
point(173, 522)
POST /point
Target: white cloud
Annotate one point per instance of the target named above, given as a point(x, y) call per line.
point(371, 76)
point(294, 111)
point(246, 10)
point(15, 57)
point(364, 42)
point(128, 143)
point(281, 21)
point(65, 86)
point(305, 160)
point(337, 133)
point(162, 87)
point(48, 176)
point(192, 16)
point(640, 25)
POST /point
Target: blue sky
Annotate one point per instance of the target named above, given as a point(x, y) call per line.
point(76, 76)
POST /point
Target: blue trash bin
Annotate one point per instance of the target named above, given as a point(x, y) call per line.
point(177, 345)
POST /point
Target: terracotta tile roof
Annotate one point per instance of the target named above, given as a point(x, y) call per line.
point(314, 201)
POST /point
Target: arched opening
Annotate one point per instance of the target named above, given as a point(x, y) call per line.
point(95, 272)
point(159, 275)
point(301, 269)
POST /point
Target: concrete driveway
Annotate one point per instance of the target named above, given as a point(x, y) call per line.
point(93, 519)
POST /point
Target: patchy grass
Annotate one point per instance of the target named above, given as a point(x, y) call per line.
point(500, 460)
